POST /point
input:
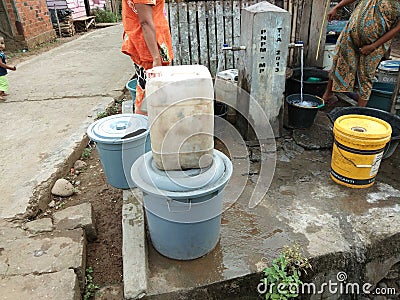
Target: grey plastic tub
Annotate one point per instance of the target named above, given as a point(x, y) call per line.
point(183, 209)
point(120, 140)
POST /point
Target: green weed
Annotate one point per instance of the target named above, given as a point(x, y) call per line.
point(101, 115)
point(90, 286)
point(86, 153)
point(104, 16)
point(282, 278)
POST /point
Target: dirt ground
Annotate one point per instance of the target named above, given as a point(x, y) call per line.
point(105, 254)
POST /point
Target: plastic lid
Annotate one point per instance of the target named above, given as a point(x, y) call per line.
point(181, 184)
point(230, 74)
point(363, 126)
point(314, 79)
point(176, 73)
point(390, 65)
point(118, 128)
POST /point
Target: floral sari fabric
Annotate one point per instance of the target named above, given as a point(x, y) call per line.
point(350, 69)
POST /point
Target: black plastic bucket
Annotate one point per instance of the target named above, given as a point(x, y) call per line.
point(220, 109)
point(381, 96)
point(302, 112)
point(220, 113)
point(393, 120)
point(310, 86)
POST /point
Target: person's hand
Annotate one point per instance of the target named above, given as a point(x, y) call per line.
point(367, 49)
point(331, 14)
point(157, 62)
point(13, 68)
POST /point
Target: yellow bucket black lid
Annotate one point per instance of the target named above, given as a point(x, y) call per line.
point(362, 126)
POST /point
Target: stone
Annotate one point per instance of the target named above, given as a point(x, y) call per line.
point(376, 270)
point(48, 254)
point(379, 297)
point(393, 274)
point(59, 285)
point(9, 232)
point(290, 146)
point(78, 216)
point(62, 188)
point(382, 285)
point(318, 136)
point(282, 157)
point(39, 226)
point(79, 165)
point(255, 154)
point(110, 292)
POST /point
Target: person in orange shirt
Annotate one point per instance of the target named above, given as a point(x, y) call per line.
point(147, 40)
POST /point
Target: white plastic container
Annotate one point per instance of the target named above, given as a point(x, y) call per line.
point(180, 109)
point(226, 91)
point(226, 86)
point(329, 53)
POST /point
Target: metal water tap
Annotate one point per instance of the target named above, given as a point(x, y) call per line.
point(298, 44)
point(233, 48)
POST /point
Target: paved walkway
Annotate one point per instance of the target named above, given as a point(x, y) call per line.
point(54, 97)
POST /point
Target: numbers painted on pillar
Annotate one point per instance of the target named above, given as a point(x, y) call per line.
point(263, 46)
point(278, 52)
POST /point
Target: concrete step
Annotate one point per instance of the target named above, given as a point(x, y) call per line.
point(45, 258)
point(58, 285)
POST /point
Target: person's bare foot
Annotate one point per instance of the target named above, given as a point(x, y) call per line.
point(331, 101)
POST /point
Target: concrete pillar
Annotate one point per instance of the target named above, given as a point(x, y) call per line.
point(265, 31)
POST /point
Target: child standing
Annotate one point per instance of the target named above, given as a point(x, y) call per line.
point(3, 70)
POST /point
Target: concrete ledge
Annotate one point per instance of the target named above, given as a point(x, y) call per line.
point(134, 245)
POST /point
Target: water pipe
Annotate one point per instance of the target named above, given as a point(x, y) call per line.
point(298, 44)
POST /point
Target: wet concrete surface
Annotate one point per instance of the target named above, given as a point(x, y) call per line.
point(302, 205)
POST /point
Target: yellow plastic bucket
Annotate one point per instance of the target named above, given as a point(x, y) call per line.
point(359, 144)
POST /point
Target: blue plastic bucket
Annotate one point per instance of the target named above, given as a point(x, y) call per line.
point(183, 208)
point(131, 87)
point(120, 140)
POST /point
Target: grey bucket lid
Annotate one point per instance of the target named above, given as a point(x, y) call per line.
point(181, 184)
point(113, 129)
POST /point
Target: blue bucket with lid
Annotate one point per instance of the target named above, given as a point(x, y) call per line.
point(120, 140)
point(183, 208)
